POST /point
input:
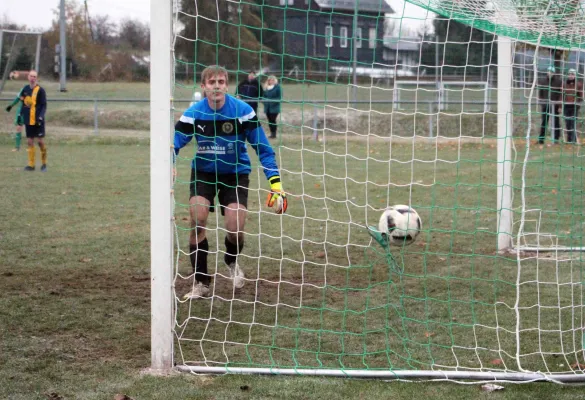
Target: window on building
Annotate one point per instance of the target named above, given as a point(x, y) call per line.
point(328, 36)
point(290, 2)
point(343, 36)
point(372, 41)
point(358, 38)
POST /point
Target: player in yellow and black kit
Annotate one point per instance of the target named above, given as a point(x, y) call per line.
point(33, 110)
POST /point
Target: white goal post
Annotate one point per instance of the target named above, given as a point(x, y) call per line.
point(161, 228)
point(535, 240)
point(504, 136)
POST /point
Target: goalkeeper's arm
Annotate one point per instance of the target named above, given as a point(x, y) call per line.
point(257, 138)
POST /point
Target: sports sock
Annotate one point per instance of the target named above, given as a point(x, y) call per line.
point(43, 154)
point(198, 258)
point(17, 140)
point(31, 156)
point(232, 250)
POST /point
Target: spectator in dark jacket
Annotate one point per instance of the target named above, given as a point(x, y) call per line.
point(550, 99)
point(250, 90)
point(273, 92)
point(572, 99)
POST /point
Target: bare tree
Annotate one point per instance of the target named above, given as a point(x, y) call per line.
point(84, 56)
point(7, 23)
point(221, 32)
point(104, 30)
point(134, 34)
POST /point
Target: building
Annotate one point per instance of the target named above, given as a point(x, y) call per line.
point(404, 52)
point(322, 31)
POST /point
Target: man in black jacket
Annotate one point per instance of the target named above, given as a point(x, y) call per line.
point(550, 99)
point(250, 90)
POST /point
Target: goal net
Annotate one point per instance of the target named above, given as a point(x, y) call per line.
point(465, 95)
point(414, 94)
point(492, 288)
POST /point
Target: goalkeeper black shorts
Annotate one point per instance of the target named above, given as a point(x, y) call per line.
point(229, 188)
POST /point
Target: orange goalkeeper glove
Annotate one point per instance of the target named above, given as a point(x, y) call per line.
point(276, 197)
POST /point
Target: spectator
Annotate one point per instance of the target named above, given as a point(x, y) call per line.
point(572, 98)
point(272, 91)
point(250, 90)
point(549, 96)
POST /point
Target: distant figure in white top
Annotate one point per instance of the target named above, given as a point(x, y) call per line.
point(196, 97)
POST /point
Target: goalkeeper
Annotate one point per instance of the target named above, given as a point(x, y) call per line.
point(221, 125)
point(18, 121)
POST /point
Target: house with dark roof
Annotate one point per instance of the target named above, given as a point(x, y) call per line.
point(323, 30)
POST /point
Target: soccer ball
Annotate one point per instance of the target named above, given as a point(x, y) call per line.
point(400, 225)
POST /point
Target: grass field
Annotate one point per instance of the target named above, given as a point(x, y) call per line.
point(321, 297)
point(75, 285)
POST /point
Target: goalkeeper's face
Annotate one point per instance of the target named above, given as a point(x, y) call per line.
point(215, 88)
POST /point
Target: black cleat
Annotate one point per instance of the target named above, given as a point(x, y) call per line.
point(28, 168)
point(44, 168)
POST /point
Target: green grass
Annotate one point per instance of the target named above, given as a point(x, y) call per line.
point(75, 263)
point(320, 297)
point(74, 293)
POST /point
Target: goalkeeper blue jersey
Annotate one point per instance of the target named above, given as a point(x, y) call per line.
point(221, 137)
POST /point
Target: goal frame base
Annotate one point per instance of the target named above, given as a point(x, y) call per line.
point(476, 377)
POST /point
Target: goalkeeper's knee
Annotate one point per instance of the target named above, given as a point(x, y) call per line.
point(198, 233)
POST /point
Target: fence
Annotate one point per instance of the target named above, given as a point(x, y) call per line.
point(432, 109)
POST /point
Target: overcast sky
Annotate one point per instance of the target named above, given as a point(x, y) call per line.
point(39, 13)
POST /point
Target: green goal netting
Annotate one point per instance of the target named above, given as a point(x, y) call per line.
point(555, 23)
point(386, 105)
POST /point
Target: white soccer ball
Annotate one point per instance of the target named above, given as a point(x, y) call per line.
point(400, 225)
